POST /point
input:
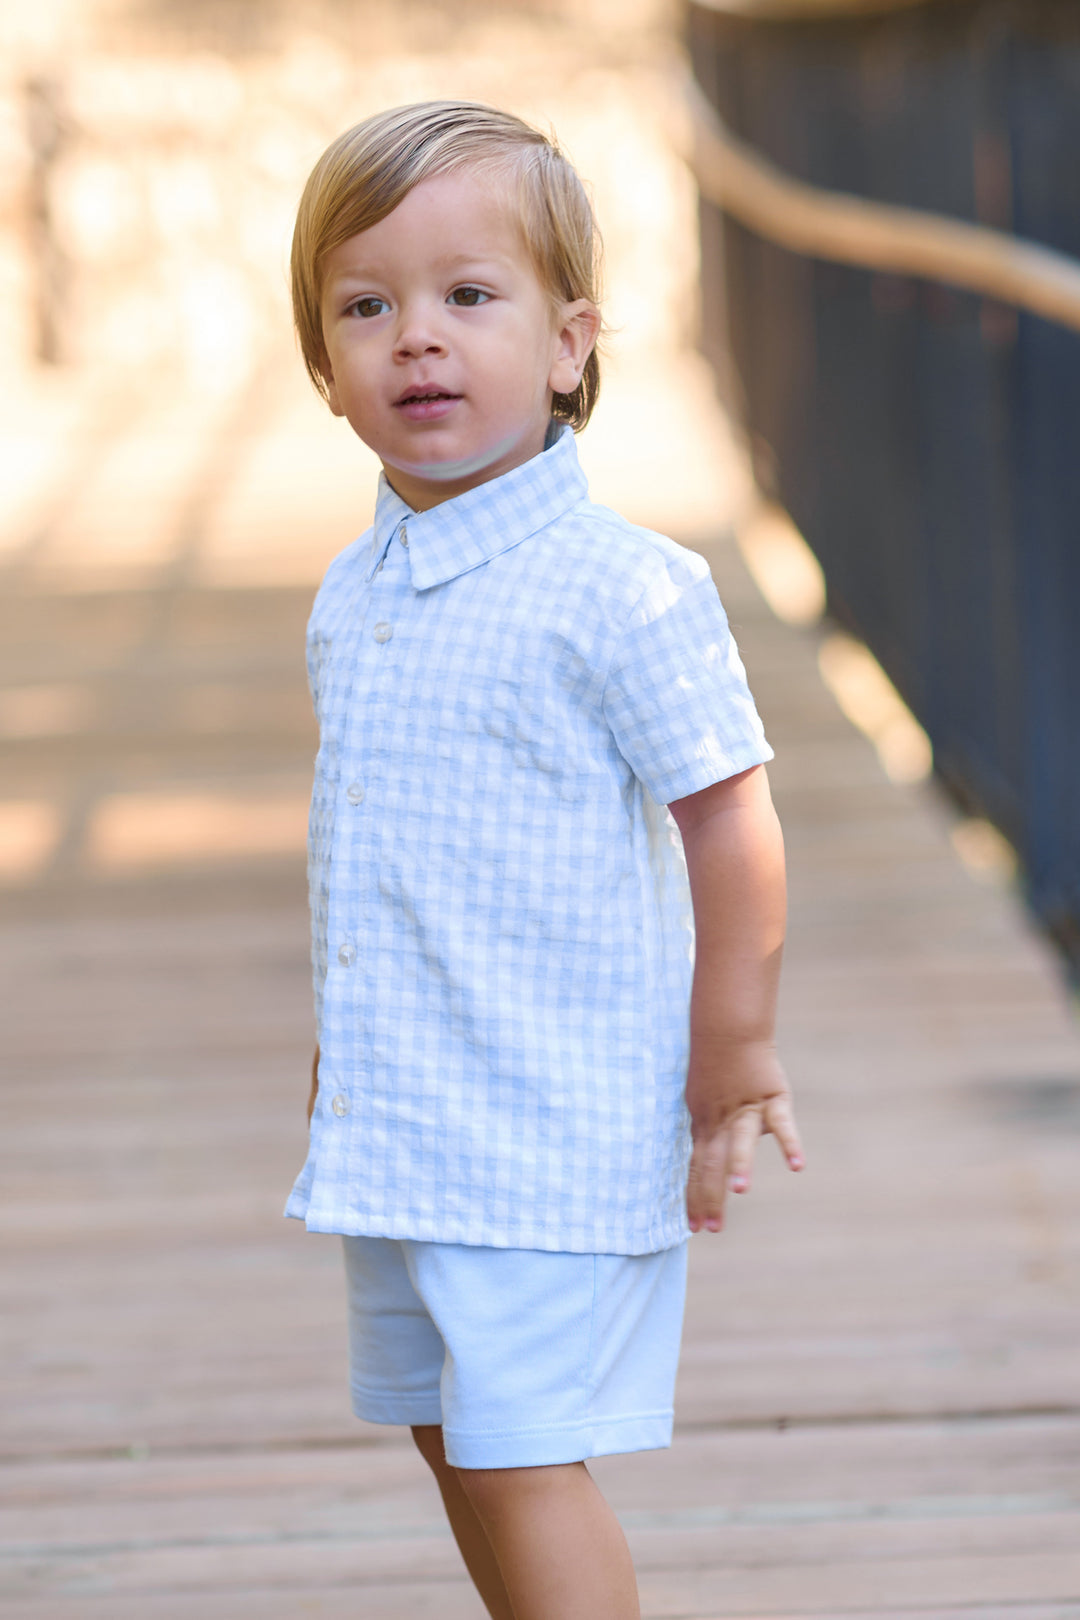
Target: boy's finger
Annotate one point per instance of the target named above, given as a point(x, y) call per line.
point(706, 1205)
point(707, 1183)
point(780, 1121)
point(696, 1202)
point(745, 1135)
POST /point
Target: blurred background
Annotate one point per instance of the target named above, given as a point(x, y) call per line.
point(879, 1404)
point(160, 445)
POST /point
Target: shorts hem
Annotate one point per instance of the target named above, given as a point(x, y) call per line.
point(538, 1448)
point(400, 1409)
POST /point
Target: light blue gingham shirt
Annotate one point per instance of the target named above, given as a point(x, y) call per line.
point(510, 689)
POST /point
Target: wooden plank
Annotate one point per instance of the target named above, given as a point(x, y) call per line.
point(816, 1567)
point(930, 1513)
point(1009, 1461)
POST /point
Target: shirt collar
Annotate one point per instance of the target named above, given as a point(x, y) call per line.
point(462, 533)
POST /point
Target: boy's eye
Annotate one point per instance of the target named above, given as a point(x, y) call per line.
point(468, 296)
point(368, 306)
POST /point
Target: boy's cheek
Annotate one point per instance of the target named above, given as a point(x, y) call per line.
point(333, 398)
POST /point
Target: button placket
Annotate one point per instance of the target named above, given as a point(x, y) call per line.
point(348, 913)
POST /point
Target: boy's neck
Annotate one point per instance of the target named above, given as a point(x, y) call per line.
point(423, 493)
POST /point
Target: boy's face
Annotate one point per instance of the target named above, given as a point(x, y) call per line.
point(442, 347)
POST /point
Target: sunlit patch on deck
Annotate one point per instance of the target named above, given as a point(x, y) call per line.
point(785, 570)
point(136, 831)
point(871, 702)
point(29, 833)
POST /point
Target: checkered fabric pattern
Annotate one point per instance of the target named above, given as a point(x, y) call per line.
point(510, 689)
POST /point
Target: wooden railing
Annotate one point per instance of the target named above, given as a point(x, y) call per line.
point(796, 10)
point(877, 236)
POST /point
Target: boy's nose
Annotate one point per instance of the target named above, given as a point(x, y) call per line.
point(416, 335)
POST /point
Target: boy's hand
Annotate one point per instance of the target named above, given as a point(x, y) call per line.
point(314, 1085)
point(736, 1093)
point(735, 1087)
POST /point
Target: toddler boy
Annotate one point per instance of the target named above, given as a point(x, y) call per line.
point(524, 1093)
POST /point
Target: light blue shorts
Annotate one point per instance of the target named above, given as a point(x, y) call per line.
point(525, 1357)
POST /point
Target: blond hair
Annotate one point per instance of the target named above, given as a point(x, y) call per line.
point(367, 171)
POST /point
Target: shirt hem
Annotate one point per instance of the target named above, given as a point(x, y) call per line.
point(548, 1241)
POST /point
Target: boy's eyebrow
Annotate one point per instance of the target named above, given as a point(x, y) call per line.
point(363, 272)
point(477, 258)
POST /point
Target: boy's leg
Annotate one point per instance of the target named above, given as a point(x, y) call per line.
point(549, 1356)
point(560, 1550)
point(396, 1359)
point(539, 1543)
point(469, 1533)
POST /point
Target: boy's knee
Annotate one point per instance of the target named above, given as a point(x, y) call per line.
point(491, 1489)
point(429, 1443)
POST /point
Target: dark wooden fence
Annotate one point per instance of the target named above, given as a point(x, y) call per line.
point(925, 439)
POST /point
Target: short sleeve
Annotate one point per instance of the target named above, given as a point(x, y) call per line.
point(676, 696)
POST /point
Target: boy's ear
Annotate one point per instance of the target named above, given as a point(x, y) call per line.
point(577, 329)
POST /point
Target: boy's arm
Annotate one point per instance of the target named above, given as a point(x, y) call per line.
point(314, 1092)
point(735, 1088)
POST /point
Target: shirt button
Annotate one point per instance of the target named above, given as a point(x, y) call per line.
point(403, 535)
point(383, 631)
point(340, 1105)
point(355, 792)
point(346, 954)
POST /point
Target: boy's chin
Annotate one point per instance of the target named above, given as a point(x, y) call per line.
point(512, 446)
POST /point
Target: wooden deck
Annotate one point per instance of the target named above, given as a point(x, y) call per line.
point(879, 1405)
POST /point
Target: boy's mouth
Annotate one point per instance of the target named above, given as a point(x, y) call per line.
point(426, 404)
